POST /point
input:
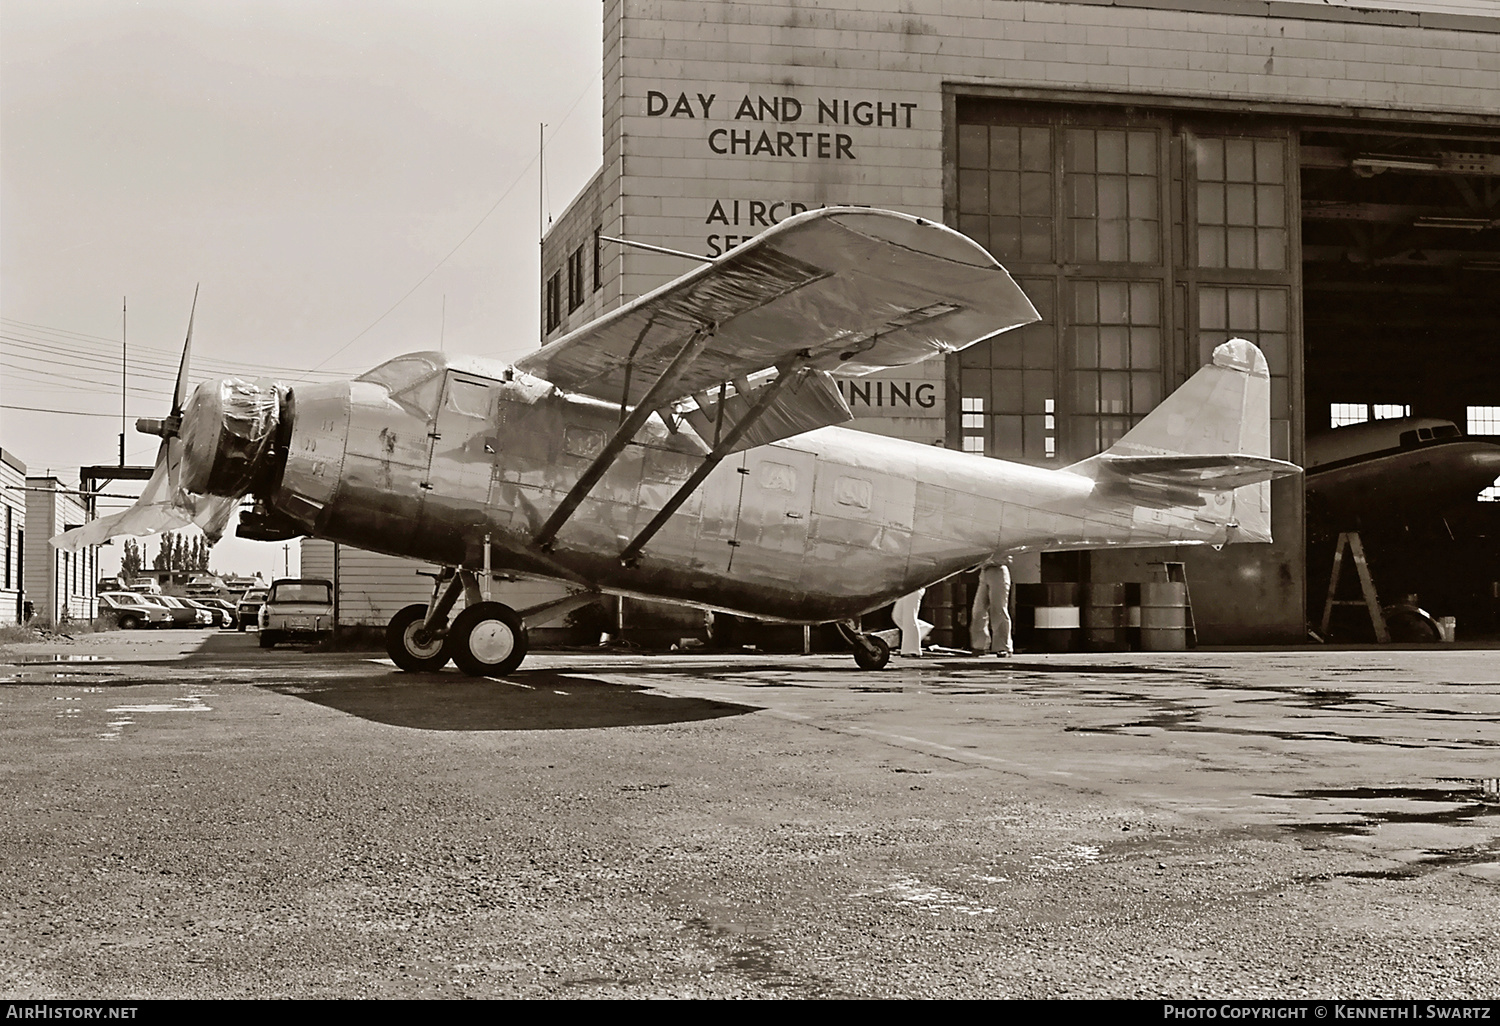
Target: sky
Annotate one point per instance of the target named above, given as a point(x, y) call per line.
point(343, 181)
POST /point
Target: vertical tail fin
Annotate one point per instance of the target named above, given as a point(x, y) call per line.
point(1224, 408)
point(1212, 431)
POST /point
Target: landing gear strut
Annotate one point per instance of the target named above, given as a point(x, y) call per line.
point(870, 652)
point(487, 639)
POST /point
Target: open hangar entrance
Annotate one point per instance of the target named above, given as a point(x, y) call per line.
point(1362, 260)
point(1401, 316)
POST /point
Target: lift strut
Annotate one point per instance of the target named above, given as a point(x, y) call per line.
point(659, 392)
point(784, 375)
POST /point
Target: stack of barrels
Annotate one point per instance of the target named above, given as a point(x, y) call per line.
point(1108, 617)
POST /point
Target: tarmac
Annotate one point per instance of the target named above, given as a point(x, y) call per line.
point(187, 815)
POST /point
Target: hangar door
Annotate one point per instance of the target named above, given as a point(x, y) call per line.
point(1144, 239)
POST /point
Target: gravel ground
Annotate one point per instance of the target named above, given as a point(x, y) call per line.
point(231, 823)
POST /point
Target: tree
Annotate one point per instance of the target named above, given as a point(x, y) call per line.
point(163, 553)
point(130, 562)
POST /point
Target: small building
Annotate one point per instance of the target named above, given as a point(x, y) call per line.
point(13, 543)
point(370, 587)
point(59, 585)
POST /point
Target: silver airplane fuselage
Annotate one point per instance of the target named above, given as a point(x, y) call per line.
point(823, 526)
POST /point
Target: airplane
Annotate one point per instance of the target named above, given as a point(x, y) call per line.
point(683, 447)
point(1396, 470)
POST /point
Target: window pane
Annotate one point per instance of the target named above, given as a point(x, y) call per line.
point(1239, 204)
point(1112, 152)
point(1270, 206)
point(1114, 302)
point(1114, 347)
point(1036, 149)
point(1145, 349)
point(1036, 194)
point(1268, 161)
point(1210, 204)
point(1210, 158)
point(1142, 153)
point(1112, 241)
point(1005, 192)
point(1242, 311)
point(1086, 347)
point(1112, 196)
point(972, 143)
point(1270, 249)
point(1086, 302)
point(1210, 247)
point(1240, 251)
point(1036, 238)
point(1143, 242)
point(1239, 160)
point(1081, 196)
point(1005, 148)
point(1080, 150)
point(1143, 198)
point(1005, 391)
point(973, 192)
point(1272, 304)
point(1143, 304)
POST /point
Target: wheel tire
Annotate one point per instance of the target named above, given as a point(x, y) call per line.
point(877, 661)
point(130, 622)
point(267, 639)
point(401, 646)
point(487, 640)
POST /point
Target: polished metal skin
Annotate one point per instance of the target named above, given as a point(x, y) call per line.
point(821, 527)
point(682, 448)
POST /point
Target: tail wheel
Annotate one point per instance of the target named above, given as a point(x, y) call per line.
point(875, 656)
point(487, 640)
point(410, 647)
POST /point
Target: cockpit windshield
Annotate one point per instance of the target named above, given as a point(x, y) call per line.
point(400, 373)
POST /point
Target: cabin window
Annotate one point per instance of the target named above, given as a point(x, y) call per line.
point(1408, 439)
point(582, 441)
point(402, 372)
point(469, 398)
point(1446, 431)
point(424, 397)
point(1425, 434)
point(853, 491)
point(778, 477)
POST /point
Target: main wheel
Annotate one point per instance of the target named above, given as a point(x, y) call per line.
point(405, 644)
point(876, 660)
point(487, 640)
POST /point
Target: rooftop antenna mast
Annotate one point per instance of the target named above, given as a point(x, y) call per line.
point(123, 350)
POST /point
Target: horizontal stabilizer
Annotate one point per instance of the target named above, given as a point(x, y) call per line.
point(1207, 472)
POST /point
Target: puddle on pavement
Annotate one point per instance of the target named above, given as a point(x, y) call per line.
point(1412, 823)
point(43, 660)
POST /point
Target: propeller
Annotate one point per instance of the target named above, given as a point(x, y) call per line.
point(164, 504)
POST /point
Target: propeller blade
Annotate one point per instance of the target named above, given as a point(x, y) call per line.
point(180, 396)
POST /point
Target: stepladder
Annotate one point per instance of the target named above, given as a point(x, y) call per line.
point(1350, 540)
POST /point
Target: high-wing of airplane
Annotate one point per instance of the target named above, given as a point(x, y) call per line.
point(1395, 471)
point(682, 448)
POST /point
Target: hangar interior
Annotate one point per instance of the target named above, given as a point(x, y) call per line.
point(1362, 260)
point(1401, 312)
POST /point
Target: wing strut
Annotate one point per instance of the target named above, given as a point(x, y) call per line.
point(725, 445)
point(659, 393)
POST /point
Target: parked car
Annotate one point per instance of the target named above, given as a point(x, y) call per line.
point(297, 608)
point(131, 611)
point(212, 615)
point(248, 608)
point(228, 616)
point(182, 616)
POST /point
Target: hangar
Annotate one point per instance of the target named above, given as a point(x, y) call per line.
point(1322, 178)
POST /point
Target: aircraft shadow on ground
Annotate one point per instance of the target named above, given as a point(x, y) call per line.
point(526, 700)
